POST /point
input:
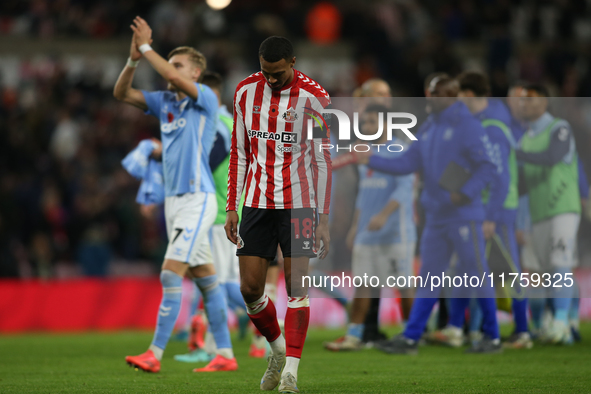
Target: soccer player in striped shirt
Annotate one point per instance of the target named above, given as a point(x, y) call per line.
point(285, 178)
point(187, 112)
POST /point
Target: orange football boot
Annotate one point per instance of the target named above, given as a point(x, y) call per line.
point(145, 361)
point(197, 332)
point(256, 352)
point(219, 363)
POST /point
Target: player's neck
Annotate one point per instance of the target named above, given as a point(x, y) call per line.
point(180, 95)
point(290, 79)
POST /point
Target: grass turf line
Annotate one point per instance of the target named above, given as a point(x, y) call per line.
point(94, 363)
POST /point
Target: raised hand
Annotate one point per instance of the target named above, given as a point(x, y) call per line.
point(134, 52)
point(142, 31)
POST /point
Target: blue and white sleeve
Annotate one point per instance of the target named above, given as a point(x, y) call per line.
point(153, 101)
point(206, 99)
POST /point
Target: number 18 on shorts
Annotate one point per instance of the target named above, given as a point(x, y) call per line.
point(262, 230)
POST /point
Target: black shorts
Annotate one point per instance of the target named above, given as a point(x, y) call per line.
point(262, 230)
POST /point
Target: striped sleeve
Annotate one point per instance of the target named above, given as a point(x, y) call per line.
point(239, 152)
point(321, 163)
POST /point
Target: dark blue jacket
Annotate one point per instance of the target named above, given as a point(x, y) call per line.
point(500, 149)
point(452, 135)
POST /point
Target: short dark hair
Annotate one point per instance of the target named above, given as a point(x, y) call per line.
point(476, 82)
point(275, 48)
point(376, 108)
point(212, 79)
point(538, 88)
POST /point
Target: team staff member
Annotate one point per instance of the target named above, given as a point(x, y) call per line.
point(286, 178)
point(453, 220)
point(551, 177)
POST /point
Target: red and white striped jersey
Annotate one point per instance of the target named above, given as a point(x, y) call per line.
point(271, 158)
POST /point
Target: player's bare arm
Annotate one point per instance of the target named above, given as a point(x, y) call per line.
point(177, 73)
point(123, 90)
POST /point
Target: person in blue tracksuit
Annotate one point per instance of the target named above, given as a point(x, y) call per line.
point(502, 196)
point(453, 219)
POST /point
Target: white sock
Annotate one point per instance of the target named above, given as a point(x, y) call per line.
point(226, 353)
point(252, 308)
point(157, 351)
point(278, 345)
point(210, 346)
point(291, 366)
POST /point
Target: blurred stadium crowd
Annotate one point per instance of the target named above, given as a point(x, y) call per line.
point(63, 194)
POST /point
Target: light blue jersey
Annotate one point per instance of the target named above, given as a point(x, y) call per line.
point(187, 129)
point(376, 189)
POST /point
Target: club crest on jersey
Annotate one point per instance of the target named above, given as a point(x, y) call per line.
point(290, 115)
point(256, 109)
point(240, 242)
point(306, 245)
point(273, 110)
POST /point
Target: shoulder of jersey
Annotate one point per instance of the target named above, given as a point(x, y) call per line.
point(204, 87)
point(311, 86)
point(252, 78)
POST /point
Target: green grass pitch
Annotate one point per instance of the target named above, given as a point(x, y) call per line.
point(94, 363)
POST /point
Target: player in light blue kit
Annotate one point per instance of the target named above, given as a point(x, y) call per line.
point(383, 233)
point(187, 112)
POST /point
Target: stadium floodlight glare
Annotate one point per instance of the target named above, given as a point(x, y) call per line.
point(218, 4)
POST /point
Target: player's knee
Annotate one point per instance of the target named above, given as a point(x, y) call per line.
point(170, 279)
point(251, 292)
